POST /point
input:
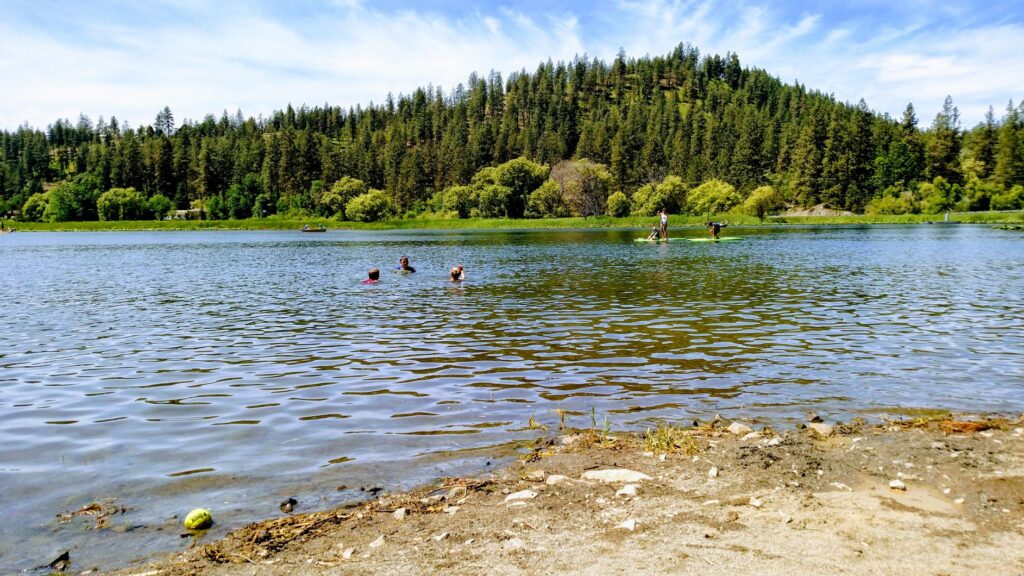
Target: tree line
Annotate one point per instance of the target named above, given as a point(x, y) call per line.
point(563, 140)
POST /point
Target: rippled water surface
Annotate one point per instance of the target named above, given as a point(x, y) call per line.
point(233, 369)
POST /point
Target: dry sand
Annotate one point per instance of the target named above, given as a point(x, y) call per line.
point(717, 503)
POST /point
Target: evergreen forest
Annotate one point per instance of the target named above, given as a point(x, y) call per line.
point(694, 133)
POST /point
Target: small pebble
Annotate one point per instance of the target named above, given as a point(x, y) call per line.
point(629, 490)
point(521, 495)
point(897, 485)
point(713, 473)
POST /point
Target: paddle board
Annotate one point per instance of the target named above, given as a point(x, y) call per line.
point(658, 240)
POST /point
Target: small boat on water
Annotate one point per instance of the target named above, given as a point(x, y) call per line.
point(319, 228)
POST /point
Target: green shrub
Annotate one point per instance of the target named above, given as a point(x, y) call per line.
point(1013, 199)
point(160, 206)
point(762, 201)
point(264, 205)
point(122, 204)
point(547, 202)
point(492, 200)
point(458, 200)
point(521, 177)
point(902, 204)
point(618, 205)
point(370, 207)
point(712, 197)
point(334, 201)
point(216, 209)
point(35, 207)
point(670, 193)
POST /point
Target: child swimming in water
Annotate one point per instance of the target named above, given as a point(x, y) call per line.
point(372, 277)
point(403, 265)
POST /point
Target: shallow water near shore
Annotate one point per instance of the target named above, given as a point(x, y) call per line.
point(230, 370)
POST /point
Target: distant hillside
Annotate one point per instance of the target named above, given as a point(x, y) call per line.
point(683, 114)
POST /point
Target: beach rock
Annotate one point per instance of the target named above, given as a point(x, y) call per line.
point(774, 442)
point(399, 514)
point(629, 524)
point(813, 418)
point(897, 485)
point(288, 505)
point(378, 542)
point(629, 490)
point(456, 493)
point(536, 476)
point(439, 537)
point(739, 429)
point(615, 475)
point(713, 473)
point(348, 553)
point(821, 429)
point(752, 436)
point(756, 502)
point(521, 495)
point(555, 479)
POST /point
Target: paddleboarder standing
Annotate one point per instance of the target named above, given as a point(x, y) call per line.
point(664, 223)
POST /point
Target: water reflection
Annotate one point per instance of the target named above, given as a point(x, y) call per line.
point(166, 368)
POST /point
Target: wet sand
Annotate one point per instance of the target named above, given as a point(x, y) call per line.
point(920, 497)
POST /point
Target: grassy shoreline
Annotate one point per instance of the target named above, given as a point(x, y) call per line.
point(629, 222)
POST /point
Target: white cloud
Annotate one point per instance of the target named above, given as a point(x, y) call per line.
point(354, 56)
point(208, 58)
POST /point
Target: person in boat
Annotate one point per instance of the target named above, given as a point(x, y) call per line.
point(403, 265)
point(715, 227)
point(305, 226)
point(372, 277)
point(664, 223)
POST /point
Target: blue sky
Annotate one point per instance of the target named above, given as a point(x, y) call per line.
point(130, 59)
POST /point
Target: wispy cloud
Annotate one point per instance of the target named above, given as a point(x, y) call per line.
point(130, 59)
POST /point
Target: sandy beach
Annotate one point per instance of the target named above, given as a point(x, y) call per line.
point(929, 497)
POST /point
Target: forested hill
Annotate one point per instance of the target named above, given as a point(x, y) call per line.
point(698, 118)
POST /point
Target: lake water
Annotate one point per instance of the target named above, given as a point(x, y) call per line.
point(231, 370)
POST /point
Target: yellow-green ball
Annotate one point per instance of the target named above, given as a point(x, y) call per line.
point(198, 519)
